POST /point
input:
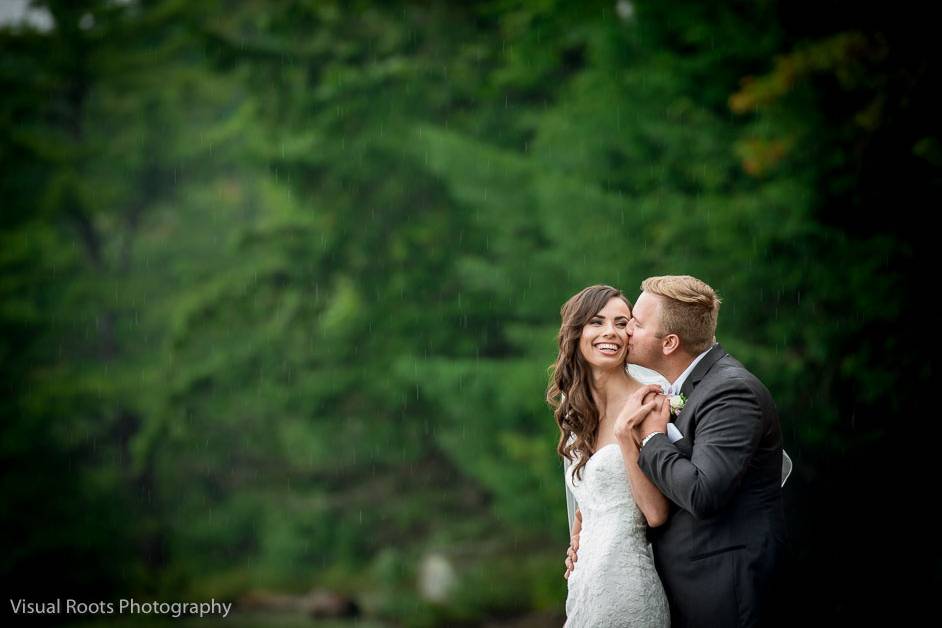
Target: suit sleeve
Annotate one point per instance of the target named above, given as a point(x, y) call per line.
point(725, 439)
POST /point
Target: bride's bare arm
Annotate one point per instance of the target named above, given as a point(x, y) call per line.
point(650, 500)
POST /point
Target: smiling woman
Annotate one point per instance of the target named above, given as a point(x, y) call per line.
point(615, 582)
point(596, 315)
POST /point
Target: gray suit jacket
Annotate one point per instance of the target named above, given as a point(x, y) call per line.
point(719, 550)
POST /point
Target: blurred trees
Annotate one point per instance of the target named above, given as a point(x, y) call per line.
point(281, 282)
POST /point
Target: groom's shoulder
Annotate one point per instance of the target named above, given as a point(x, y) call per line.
point(731, 371)
point(731, 365)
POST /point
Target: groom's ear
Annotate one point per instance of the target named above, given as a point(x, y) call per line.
point(670, 344)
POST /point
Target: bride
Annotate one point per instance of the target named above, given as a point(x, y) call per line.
point(597, 405)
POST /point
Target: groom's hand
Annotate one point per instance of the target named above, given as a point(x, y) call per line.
point(571, 553)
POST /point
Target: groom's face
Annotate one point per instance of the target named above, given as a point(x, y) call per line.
point(644, 336)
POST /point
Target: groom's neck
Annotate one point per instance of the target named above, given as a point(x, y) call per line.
point(674, 367)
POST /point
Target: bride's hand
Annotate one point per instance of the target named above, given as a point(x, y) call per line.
point(657, 421)
point(572, 552)
point(636, 409)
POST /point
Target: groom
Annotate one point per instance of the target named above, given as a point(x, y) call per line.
point(719, 462)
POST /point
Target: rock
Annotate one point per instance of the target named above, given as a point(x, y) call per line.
point(436, 577)
point(317, 603)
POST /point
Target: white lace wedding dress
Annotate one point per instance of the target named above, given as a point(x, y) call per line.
point(614, 582)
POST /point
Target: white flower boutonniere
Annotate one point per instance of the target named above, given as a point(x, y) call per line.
point(677, 404)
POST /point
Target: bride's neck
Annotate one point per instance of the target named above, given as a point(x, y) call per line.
point(610, 387)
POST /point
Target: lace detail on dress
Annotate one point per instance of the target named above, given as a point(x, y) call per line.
point(614, 583)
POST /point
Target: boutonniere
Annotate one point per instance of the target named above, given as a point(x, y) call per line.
point(677, 404)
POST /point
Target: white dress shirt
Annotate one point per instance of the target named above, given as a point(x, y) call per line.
point(648, 376)
point(674, 389)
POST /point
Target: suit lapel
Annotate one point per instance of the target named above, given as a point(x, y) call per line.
point(699, 372)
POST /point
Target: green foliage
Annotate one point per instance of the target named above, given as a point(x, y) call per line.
point(279, 283)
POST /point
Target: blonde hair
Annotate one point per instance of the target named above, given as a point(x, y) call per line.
point(689, 308)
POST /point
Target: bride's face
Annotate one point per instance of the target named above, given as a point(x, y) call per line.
point(604, 341)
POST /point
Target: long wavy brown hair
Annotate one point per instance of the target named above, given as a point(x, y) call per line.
point(569, 391)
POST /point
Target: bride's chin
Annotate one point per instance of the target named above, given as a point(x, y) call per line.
point(609, 366)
